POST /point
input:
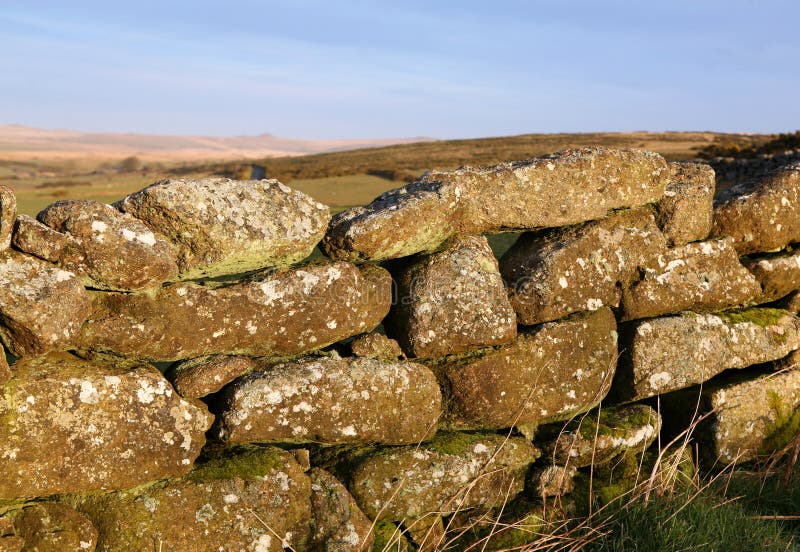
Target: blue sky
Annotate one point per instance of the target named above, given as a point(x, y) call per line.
point(347, 69)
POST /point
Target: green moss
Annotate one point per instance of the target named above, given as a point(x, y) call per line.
point(455, 443)
point(389, 537)
point(246, 465)
point(760, 316)
point(785, 427)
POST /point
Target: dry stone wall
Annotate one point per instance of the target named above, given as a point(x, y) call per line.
point(179, 378)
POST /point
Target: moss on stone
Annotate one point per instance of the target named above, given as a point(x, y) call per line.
point(455, 443)
point(389, 537)
point(785, 427)
point(246, 465)
point(763, 317)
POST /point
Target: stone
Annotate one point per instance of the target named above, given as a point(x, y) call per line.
point(673, 352)
point(552, 481)
point(390, 537)
point(703, 276)
point(337, 525)
point(224, 226)
point(41, 307)
point(779, 275)
point(451, 301)
point(685, 213)
point(554, 273)
point(286, 313)
point(332, 400)
point(53, 527)
point(519, 523)
point(375, 345)
point(454, 471)
point(202, 376)
point(8, 213)
point(256, 500)
point(37, 239)
point(602, 435)
point(427, 532)
point(564, 188)
point(790, 303)
point(761, 214)
point(69, 425)
point(548, 373)
point(5, 370)
point(117, 251)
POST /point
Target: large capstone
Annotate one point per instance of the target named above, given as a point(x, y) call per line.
point(761, 214)
point(69, 425)
point(779, 274)
point(564, 188)
point(223, 226)
point(455, 471)
point(702, 276)
point(685, 213)
point(8, 214)
point(41, 307)
point(553, 273)
point(451, 301)
point(673, 352)
point(550, 372)
point(333, 400)
point(284, 314)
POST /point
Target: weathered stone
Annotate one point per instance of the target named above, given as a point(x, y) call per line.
point(8, 213)
point(549, 373)
point(427, 532)
point(117, 251)
point(390, 537)
point(375, 345)
point(790, 303)
point(333, 400)
point(337, 524)
point(599, 437)
point(256, 501)
point(451, 301)
point(552, 481)
point(554, 273)
point(224, 226)
point(203, 376)
point(703, 276)
point(761, 214)
point(779, 275)
point(673, 352)
point(53, 527)
point(69, 425)
point(285, 314)
point(454, 471)
point(5, 371)
point(39, 240)
point(685, 213)
point(41, 307)
point(556, 190)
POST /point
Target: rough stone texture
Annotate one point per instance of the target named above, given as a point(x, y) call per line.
point(41, 307)
point(450, 473)
point(5, 370)
point(556, 190)
point(117, 251)
point(554, 273)
point(375, 345)
point(703, 276)
point(285, 314)
point(779, 275)
point(333, 400)
point(673, 352)
point(224, 226)
point(337, 525)
point(685, 213)
point(52, 527)
point(8, 213)
point(256, 501)
point(551, 481)
point(600, 436)
point(39, 240)
point(549, 373)
point(203, 376)
point(790, 303)
point(761, 214)
point(451, 301)
point(70, 425)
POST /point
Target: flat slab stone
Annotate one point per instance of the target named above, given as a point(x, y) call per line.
point(41, 307)
point(779, 275)
point(337, 524)
point(453, 472)
point(115, 250)
point(257, 501)
point(549, 373)
point(333, 400)
point(451, 301)
point(285, 314)
point(50, 527)
point(702, 276)
point(69, 425)
point(202, 376)
point(554, 273)
point(8, 213)
point(685, 213)
point(761, 214)
point(564, 188)
point(224, 226)
point(673, 352)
